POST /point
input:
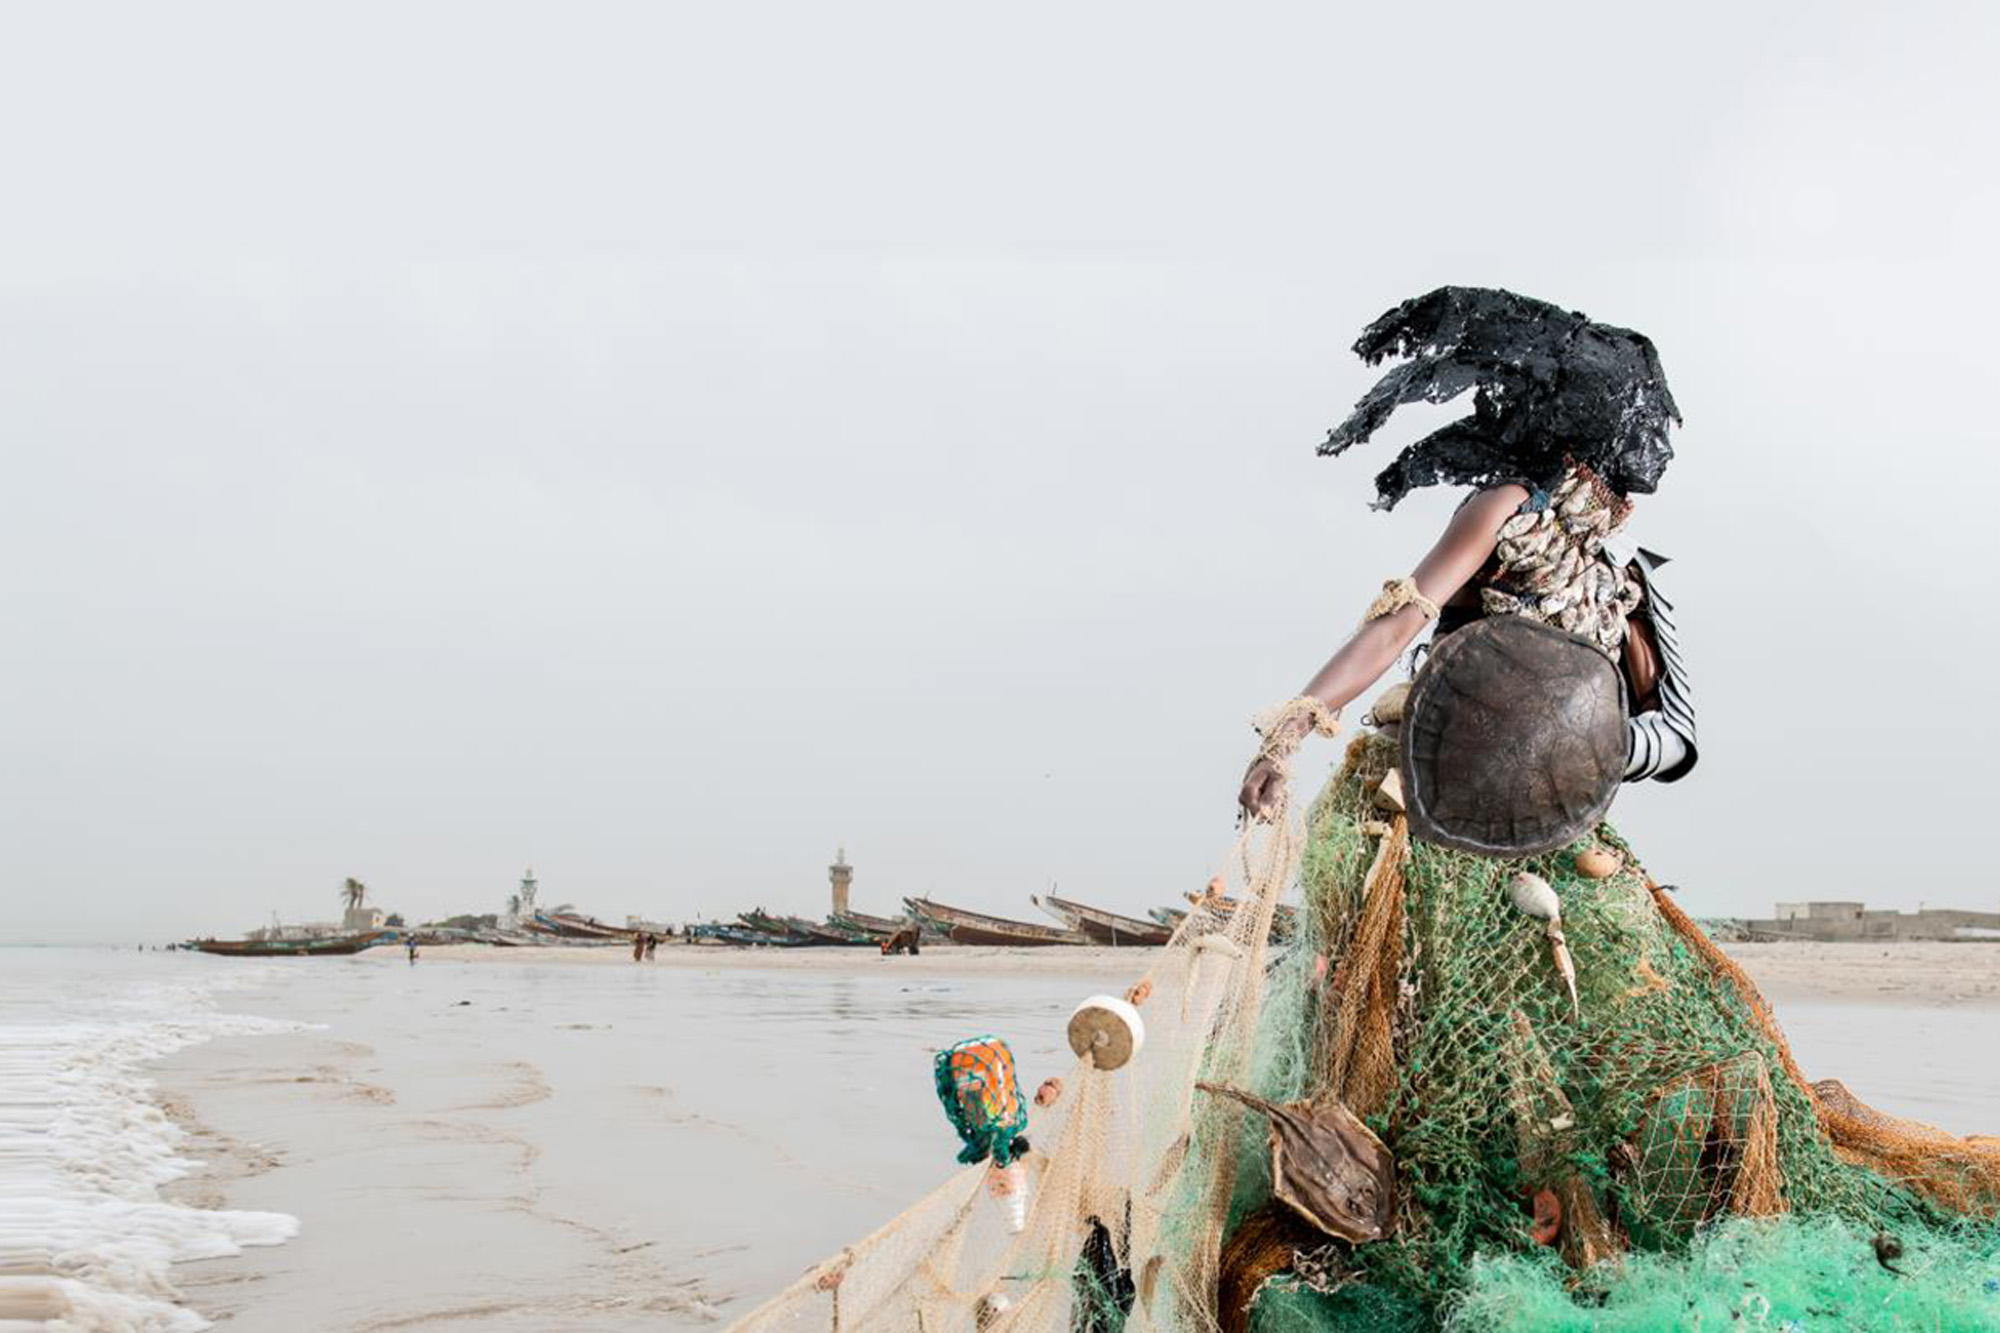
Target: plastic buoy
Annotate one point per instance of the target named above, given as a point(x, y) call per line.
point(1107, 1031)
point(1596, 863)
point(1009, 1186)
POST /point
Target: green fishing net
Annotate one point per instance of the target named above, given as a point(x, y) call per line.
point(1654, 1122)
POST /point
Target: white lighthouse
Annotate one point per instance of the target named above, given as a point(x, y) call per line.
point(521, 903)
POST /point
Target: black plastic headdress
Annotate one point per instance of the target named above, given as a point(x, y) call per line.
point(1551, 388)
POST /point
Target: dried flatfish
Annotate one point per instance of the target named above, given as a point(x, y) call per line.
point(1327, 1165)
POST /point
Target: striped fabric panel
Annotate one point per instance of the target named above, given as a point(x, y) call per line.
point(1652, 753)
point(1651, 745)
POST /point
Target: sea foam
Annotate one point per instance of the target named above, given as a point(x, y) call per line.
point(86, 1242)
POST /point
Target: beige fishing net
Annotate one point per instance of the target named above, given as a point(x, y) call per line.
point(1131, 1151)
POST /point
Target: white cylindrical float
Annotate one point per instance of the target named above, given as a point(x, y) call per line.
point(1107, 1031)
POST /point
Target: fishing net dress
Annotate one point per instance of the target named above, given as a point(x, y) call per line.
point(1593, 1120)
point(1545, 1145)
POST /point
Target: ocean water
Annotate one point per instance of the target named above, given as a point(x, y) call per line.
point(84, 1149)
point(606, 1146)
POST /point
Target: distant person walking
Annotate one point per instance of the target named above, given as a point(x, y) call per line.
point(638, 945)
point(652, 946)
point(411, 944)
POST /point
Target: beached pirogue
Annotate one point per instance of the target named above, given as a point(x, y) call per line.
point(936, 922)
point(307, 948)
point(965, 927)
point(575, 928)
point(1103, 927)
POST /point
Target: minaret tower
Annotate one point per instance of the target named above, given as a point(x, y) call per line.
point(841, 875)
point(528, 887)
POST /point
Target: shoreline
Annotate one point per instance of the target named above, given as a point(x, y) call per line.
point(1917, 972)
point(634, 1146)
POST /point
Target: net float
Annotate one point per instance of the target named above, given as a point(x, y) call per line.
point(1009, 1187)
point(981, 1096)
point(1106, 1031)
point(1597, 863)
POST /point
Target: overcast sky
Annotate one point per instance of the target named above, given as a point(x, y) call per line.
point(662, 443)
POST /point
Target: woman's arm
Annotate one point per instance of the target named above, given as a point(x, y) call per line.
point(1465, 546)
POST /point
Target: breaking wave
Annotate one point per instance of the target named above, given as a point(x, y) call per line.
point(86, 1241)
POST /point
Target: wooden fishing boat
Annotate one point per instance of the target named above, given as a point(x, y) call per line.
point(1102, 926)
point(874, 927)
point(727, 932)
point(588, 927)
point(782, 930)
point(885, 927)
point(337, 946)
point(569, 926)
point(838, 936)
point(540, 931)
point(802, 931)
point(978, 928)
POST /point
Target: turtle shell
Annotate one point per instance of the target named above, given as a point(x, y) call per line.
point(1513, 738)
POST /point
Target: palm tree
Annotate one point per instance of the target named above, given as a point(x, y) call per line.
point(355, 892)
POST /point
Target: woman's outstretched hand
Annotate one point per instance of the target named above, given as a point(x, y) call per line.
point(1263, 790)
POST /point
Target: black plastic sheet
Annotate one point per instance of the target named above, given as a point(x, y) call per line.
point(1550, 387)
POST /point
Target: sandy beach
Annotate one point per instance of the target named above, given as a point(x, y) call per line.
point(563, 1139)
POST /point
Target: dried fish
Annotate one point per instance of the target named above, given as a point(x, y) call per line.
point(1327, 1165)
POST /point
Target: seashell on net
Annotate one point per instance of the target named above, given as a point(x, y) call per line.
point(1533, 896)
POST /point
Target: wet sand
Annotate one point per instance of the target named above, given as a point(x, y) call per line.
point(1923, 973)
point(551, 1139)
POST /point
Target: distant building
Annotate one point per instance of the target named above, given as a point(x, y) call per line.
point(360, 920)
point(1836, 921)
point(1825, 911)
point(521, 905)
point(841, 875)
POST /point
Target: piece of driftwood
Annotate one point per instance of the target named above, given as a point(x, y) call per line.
point(1327, 1165)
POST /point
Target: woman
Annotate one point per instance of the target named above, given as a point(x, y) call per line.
point(1546, 442)
point(1550, 1053)
point(1493, 1075)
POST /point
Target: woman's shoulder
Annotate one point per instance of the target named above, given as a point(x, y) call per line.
point(1491, 506)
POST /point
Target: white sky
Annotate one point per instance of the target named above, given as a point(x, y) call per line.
point(664, 442)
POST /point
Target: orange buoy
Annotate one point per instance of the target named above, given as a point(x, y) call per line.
point(1596, 863)
point(1548, 1218)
